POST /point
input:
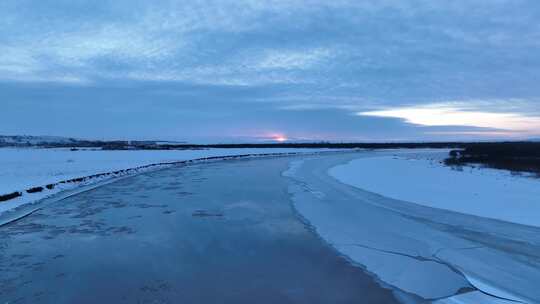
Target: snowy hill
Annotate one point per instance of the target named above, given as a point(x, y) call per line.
point(28, 140)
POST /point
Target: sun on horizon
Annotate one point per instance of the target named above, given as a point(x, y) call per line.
point(280, 138)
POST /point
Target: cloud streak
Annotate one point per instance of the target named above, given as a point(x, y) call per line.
point(513, 123)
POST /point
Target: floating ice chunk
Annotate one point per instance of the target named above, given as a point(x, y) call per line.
point(425, 278)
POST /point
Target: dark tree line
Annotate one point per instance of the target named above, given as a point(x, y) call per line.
point(513, 156)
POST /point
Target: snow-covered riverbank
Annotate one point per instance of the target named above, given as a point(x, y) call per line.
point(424, 180)
point(22, 169)
point(427, 253)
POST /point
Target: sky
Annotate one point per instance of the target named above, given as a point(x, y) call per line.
point(243, 71)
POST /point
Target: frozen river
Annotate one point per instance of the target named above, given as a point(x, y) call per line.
point(236, 232)
point(223, 232)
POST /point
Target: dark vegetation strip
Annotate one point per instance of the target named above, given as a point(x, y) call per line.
point(155, 145)
point(514, 156)
point(159, 145)
point(9, 196)
point(34, 190)
point(13, 195)
point(308, 145)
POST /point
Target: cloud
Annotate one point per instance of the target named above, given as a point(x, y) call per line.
point(379, 42)
point(290, 60)
point(448, 114)
point(393, 60)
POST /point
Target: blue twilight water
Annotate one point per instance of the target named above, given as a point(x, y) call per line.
point(223, 232)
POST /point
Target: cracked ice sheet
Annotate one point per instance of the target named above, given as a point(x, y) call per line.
point(428, 279)
point(414, 248)
point(475, 297)
point(506, 275)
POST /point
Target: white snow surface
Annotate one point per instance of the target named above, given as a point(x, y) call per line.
point(482, 192)
point(433, 253)
point(24, 168)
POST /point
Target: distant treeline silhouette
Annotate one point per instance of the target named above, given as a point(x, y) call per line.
point(403, 145)
point(513, 156)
